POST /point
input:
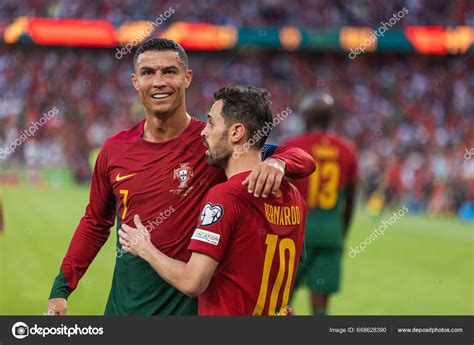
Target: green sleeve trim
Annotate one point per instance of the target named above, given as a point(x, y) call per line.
point(60, 288)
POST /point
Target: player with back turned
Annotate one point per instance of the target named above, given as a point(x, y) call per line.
point(157, 169)
point(245, 250)
point(329, 194)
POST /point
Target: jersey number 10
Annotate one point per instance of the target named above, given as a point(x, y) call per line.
point(284, 245)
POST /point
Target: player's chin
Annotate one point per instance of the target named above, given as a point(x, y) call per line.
point(161, 110)
point(216, 161)
point(211, 161)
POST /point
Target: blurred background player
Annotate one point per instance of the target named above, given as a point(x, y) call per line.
point(329, 194)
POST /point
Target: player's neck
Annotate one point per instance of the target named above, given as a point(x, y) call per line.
point(163, 129)
point(244, 162)
point(319, 129)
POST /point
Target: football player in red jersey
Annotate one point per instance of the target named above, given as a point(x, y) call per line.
point(157, 169)
point(329, 194)
point(245, 250)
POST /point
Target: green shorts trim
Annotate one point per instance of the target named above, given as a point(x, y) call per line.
point(320, 270)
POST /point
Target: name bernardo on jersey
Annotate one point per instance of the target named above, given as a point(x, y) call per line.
point(283, 215)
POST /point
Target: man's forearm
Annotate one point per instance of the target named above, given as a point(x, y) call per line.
point(87, 241)
point(298, 163)
point(349, 207)
point(347, 218)
point(191, 278)
point(91, 233)
point(172, 271)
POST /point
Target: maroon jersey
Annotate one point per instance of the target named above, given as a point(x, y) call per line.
point(258, 244)
point(164, 183)
point(325, 190)
point(326, 148)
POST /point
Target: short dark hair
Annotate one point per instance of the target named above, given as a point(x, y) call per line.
point(318, 110)
point(249, 105)
point(162, 44)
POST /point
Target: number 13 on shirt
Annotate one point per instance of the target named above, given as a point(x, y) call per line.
point(321, 194)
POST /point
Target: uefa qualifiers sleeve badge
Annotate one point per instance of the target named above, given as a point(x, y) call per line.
point(211, 214)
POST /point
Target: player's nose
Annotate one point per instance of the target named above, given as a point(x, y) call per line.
point(204, 132)
point(158, 81)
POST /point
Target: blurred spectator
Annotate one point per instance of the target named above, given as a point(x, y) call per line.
point(251, 13)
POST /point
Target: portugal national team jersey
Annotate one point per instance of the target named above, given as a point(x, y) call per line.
point(164, 183)
point(258, 244)
point(325, 189)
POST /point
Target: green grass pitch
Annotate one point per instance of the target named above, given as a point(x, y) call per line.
point(421, 266)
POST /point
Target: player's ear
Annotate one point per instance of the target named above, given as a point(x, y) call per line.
point(237, 132)
point(135, 81)
point(187, 78)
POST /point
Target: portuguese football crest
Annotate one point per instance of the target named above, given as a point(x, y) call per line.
point(183, 173)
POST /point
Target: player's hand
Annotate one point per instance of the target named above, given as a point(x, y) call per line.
point(135, 240)
point(57, 306)
point(266, 177)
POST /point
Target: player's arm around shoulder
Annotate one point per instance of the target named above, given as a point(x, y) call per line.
point(298, 163)
point(280, 161)
point(266, 177)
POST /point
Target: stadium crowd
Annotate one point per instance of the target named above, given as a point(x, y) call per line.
point(320, 14)
point(410, 116)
